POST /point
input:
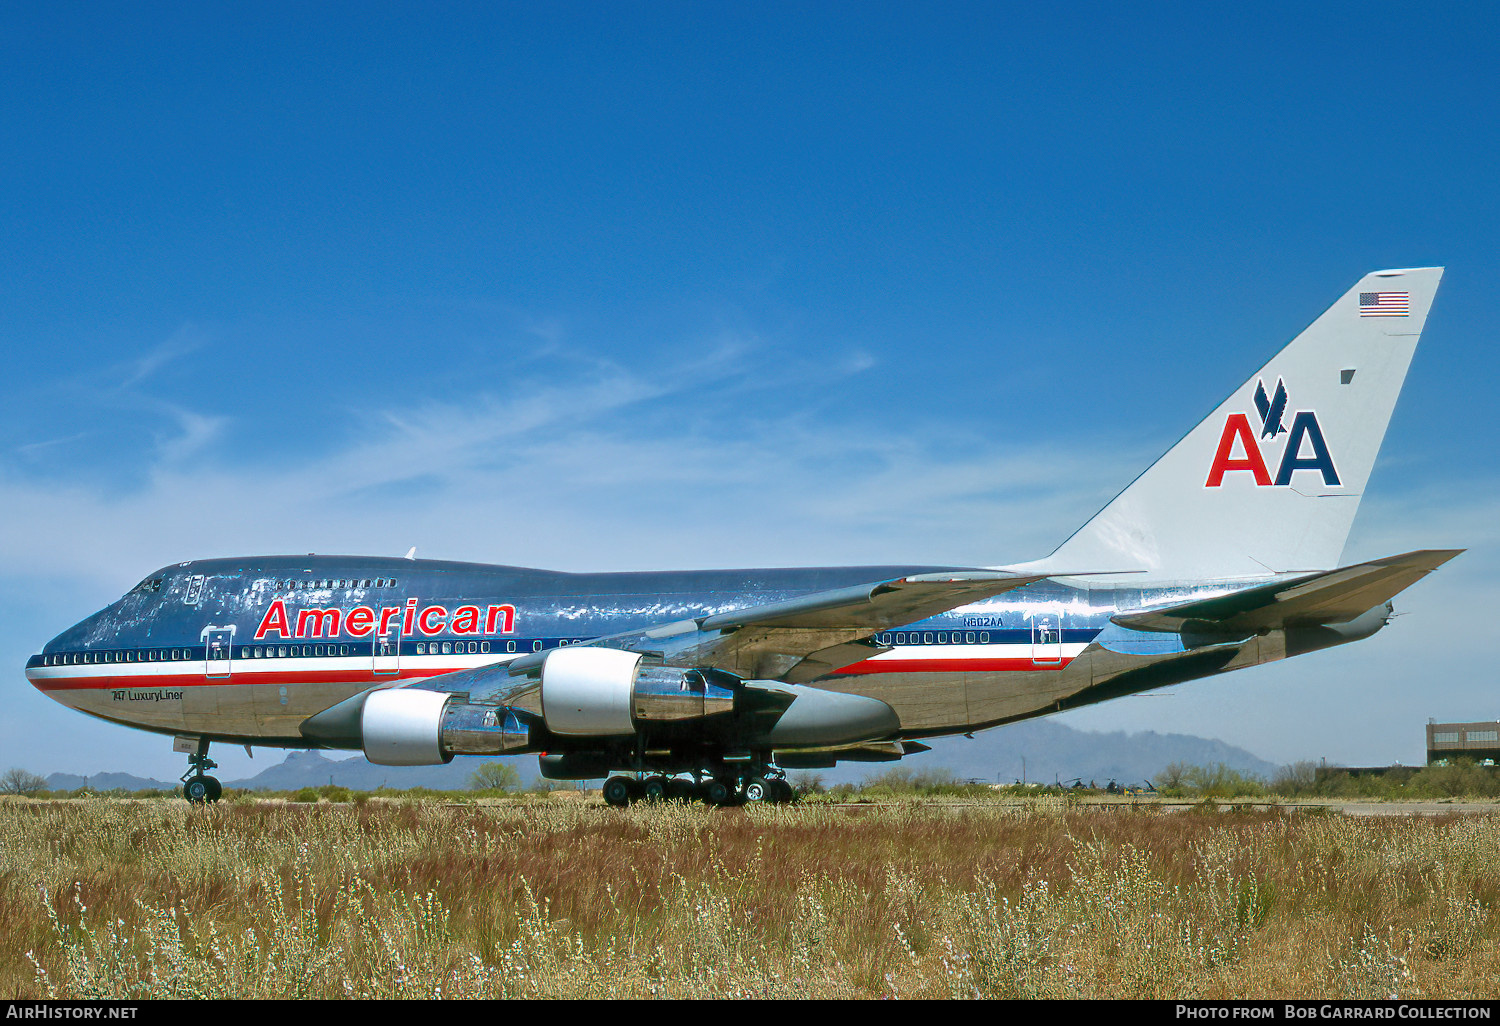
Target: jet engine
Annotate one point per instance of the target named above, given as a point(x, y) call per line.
point(601, 692)
point(408, 727)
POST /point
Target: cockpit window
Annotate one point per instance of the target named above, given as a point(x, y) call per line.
point(149, 586)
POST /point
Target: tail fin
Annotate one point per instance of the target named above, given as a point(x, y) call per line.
point(1271, 480)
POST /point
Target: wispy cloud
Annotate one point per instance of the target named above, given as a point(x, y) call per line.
point(694, 463)
point(182, 342)
point(31, 448)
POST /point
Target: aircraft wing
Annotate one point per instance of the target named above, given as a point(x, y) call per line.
point(799, 640)
point(1331, 597)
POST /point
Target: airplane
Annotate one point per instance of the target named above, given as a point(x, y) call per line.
point(711, 684)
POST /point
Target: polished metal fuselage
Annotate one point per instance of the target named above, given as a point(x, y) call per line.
point(245, 650)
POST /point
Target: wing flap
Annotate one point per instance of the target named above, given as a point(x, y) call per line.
point(1332, 597)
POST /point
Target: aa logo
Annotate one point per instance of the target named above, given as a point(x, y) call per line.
point(1239, 449)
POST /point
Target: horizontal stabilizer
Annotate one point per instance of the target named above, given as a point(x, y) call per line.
point(1333, 597)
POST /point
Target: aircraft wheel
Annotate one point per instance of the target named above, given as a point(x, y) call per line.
point(196, 790)
point(215, 789)
point(616, 791)
point(679, 790)
point(716, 792)
point(781, 791)
point(654, 789)
point(759, 789)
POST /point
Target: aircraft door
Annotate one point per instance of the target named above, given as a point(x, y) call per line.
point(218, 643)
point(1046, 639)
point(387, 651)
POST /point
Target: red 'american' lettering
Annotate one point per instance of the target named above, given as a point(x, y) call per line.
point(361, 621)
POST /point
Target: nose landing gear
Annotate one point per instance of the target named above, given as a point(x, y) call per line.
point(197, 786)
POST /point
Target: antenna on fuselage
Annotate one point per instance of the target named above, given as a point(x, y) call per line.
point(411, 553)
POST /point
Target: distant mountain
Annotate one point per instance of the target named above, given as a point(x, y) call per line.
point(314, 769)
point(1052, 752)
point(107, 782)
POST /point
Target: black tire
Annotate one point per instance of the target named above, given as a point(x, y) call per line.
point(654, 789)
point(781, 791)
point(616, 791)
point(679, 790)
point(759, 789)
point(196, 790)
point(215, 789)
point(716, 792)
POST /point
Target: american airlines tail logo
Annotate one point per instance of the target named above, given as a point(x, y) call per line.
point(1239, 449)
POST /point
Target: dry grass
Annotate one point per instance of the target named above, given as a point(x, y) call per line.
point(155, 898)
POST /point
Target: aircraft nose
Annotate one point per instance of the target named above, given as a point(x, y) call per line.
point(94, 632)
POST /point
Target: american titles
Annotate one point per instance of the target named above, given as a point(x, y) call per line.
point(362, 621)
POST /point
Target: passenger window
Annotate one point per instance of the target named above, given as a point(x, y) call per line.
point(984, 637)
point(510, 646)
point(484, 646)
point(536, 646)
point(447, 648)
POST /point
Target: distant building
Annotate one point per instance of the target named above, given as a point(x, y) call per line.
point(1477, 741)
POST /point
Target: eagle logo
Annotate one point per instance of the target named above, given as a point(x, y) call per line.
point(1270, 410)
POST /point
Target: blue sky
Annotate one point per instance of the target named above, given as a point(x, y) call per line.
point(624, 285)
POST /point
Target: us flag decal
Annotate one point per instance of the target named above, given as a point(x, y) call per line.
point(1385, 304)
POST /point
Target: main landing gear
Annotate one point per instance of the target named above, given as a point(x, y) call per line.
point(197, 786)
point(720, 791)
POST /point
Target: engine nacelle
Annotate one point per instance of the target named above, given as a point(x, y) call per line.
point(403, 727)
point(604, 692)
point(409, 727)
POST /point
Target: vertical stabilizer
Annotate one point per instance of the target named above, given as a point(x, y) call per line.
point(1270, 481)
